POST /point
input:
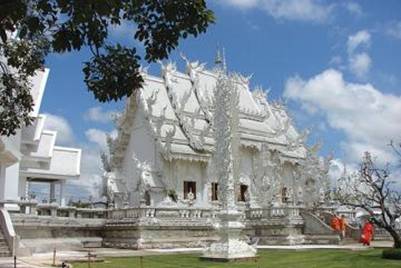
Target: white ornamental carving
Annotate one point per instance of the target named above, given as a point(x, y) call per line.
point(226, 121)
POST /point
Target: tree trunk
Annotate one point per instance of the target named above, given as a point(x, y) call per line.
point(396, 237)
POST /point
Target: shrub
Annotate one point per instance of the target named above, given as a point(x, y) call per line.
point(392, 253)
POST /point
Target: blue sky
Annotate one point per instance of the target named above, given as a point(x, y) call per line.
point(337, 64)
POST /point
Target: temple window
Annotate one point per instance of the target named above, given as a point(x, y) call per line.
point(215, 186)
point(147, 198)
point(284, 195)
point(189, 186)
point(242, 194)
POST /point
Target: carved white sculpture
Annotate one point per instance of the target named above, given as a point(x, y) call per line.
point(300, 195)
point(226, 122)
point(176, 113)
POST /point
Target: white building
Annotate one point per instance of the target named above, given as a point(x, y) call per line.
point(164, 148)
point(32, 156)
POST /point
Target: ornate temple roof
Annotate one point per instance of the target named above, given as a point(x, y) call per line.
point(179, 108)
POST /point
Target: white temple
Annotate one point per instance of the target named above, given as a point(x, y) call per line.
point(31, 155)
point(163, 155)
point(191, 166)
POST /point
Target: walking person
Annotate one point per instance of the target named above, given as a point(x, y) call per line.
point(367, 233)
point(343, 226)
point(335, 223)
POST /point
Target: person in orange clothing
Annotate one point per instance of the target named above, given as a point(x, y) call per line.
point(367, 233)
point(343, 225)
point(335, 223)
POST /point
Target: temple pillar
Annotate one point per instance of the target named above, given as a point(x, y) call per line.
point(2, 181)
point(62, 198)
point(22, 191)
point(27, 189)
point(52, 194)
point(207, 193)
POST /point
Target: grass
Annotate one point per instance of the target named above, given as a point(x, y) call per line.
point(268, 258)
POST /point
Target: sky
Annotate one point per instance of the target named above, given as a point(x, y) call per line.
point(336, 65)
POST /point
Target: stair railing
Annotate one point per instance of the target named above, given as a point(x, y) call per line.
point(8, 231)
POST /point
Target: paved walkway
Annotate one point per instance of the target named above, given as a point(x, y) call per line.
point(45, 259)
point(9, 263)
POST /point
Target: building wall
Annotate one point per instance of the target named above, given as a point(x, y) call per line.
point(178, 171)
point(9, 178)
point(142, 147)
point(11, 182)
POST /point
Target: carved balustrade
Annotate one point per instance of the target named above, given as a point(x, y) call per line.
point(54, 210)
point(33, 208)
point(149, 212)
point(273, 212)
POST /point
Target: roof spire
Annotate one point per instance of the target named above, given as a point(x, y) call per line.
point(220, 59)
point(224, 63)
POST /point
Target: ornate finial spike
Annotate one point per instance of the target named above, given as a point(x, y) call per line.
point(218, 60)
point(224, 60)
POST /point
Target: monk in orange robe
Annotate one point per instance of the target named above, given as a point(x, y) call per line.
point(343, 225)
point(367, 233)
point(335, 223)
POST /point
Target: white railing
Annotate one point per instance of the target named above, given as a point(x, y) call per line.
point(54, 210)
point(33, 208)
point(150, 212)
point(273, 212)
point(7, 229)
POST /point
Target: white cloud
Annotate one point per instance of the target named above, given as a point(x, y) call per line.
point(338, 169)
point(336, 60)
point(97, 136)
point(368, 118)
point(91, 171)
point(361, 38)
point(300, 10)
point(394, 29)
point(242, 3)
point(353, 8)
point(359, 63)
point(91, 166)
point(97, 114)
point(57, 123)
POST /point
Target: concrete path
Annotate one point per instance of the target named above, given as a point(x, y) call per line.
point(9, 263)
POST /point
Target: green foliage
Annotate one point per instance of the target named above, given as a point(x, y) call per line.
point(392, 254)
point(16, 104)
point(114, 74)
point(59, 26)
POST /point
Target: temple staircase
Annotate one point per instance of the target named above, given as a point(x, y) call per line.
point(352, 233)
point(4, 249)
point(317, 232)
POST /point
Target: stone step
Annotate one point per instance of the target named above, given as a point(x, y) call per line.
point(4, 250)
point(322, 240)
point(5, 254)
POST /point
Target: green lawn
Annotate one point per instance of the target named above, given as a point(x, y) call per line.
point(268, 258)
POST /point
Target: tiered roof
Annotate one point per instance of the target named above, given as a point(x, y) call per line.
point(179, 108)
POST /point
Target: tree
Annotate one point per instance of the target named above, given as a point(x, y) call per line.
point(59, 26)
point(372, 189)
